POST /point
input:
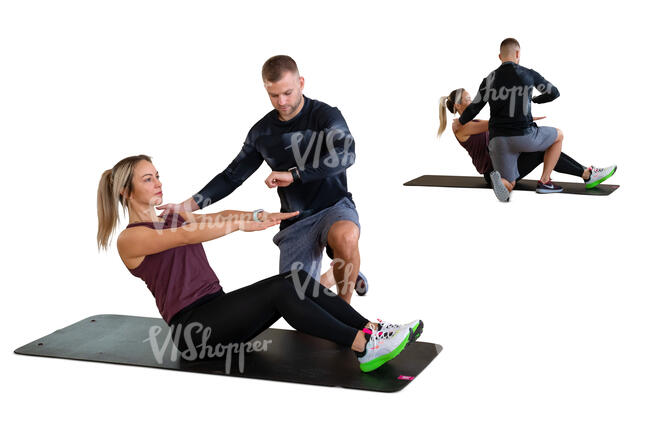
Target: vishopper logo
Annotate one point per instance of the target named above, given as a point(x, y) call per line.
point(214, 221)
point(201, 351)
point(301, 287)
point(503, 93)
point(338, 144)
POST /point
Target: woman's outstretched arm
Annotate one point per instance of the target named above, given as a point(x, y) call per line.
point(209, 217)
point(143, 241)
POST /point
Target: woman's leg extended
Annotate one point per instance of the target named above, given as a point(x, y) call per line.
point(568, 165)
point(240, 315)
point(527, 162)
point(308, 288)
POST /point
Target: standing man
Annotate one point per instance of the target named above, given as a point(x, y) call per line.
point(512, 131)
point(309, 147)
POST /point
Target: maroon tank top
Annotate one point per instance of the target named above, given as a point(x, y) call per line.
point(176, 277)
point(477, 147)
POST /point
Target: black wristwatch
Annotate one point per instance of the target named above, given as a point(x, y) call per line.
point(294, 172)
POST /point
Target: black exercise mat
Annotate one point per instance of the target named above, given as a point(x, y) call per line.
point(521, 185)
point(290, 356)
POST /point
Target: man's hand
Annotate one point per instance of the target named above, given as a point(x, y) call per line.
point(539, 118)
point(455, 124)
point(172, 208)
point(279, 178)
point(188, 206)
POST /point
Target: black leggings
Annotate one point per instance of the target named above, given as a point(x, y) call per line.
point(528, 161)
point(240, 315)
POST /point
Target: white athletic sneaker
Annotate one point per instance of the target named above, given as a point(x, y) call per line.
point(384, 345)
point(498, 187)
point(386, 326)
point(598, 175)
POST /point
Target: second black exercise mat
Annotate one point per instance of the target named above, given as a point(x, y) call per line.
point(521, 185)
point(289, 356)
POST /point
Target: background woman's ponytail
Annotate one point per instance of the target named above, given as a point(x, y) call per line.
point(449, 103)
point(442, 115)
point(114, 186)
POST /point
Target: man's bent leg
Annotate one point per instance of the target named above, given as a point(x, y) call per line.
point(551, 157)
point(343, 238)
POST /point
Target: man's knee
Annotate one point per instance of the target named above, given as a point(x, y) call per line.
point(343, 237)
point(560, 135)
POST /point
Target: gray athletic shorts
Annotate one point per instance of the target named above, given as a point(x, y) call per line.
point(504, 151)
point(302, 242)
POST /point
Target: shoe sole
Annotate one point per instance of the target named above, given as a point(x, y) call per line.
point(361, 291)
point(414, 334)
point(549, 191)
point(599, 181)
point(500, 190)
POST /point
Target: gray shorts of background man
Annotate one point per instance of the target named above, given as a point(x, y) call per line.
point(308, 146)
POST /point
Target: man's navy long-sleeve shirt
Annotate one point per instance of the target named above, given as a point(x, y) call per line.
point(316, 141)
point(509, 90)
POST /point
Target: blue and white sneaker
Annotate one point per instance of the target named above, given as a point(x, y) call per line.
point(548, 187)
point(599, 175)
point(498, 187)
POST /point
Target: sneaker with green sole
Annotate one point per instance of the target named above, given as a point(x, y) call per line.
point(384, 345)
point(599, 175)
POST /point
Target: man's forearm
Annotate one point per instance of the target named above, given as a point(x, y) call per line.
point(469, 114)
point(219, 187)
point(547, 96)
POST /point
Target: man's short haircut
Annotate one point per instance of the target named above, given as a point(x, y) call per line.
point(508, 46)
point(275, 67)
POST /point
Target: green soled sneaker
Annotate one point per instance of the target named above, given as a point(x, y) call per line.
point(384, 345)
point(599, 175)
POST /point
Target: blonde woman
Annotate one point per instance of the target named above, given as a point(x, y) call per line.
point(166, 252)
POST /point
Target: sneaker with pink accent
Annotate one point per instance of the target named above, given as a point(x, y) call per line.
point(386, 326)
point(384, 345)
point(599, 175)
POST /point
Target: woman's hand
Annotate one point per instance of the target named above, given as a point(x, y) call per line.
point(539, 118)
point(267, 220)
point(263, 216)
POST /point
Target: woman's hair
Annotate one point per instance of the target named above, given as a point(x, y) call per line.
point(114, 186)
point(448, 101)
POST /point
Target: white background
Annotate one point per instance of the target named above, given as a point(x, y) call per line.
point(541, 304)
